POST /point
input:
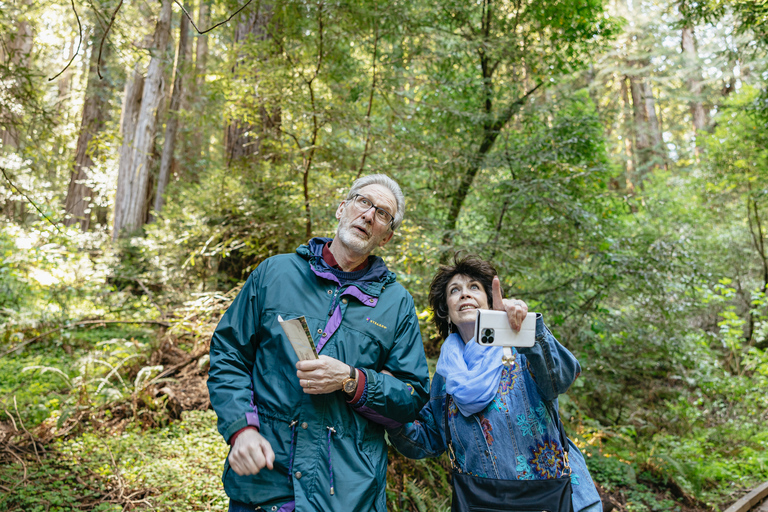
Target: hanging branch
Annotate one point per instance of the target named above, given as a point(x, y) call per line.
point(370, 99)
point(80, 28)
point(216, 25)
point(104, 37)
point(18, 190)
point(114, 14)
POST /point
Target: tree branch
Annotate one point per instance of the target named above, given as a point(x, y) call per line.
point(80, 28)
point(216, 25)
point(370, 99)
point(104, 37)
point(28, 199)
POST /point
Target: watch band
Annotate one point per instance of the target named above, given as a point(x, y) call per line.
point(352, 372)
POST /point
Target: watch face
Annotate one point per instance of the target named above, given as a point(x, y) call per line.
point(350, 385)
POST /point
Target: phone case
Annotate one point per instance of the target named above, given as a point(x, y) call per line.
point(492, 329)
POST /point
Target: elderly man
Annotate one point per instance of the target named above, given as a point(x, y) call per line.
point(309, 435)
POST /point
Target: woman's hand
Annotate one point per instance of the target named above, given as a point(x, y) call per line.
point(516, 309)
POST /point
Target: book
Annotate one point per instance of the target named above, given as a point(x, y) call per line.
point(298, 334)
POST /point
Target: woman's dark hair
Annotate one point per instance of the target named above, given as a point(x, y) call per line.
point(469, 265)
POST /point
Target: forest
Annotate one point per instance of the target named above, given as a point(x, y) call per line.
point(608, 156)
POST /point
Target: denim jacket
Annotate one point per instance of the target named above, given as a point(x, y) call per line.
point(514, 438)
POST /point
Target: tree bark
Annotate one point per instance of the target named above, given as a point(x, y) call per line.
point(95, 112)
point(693, 79)
point(134, 89)
point(242, 139)
point(19, 53)
point(172, 124)
point(134, 207)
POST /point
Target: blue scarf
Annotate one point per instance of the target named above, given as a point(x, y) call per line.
point(472, 372)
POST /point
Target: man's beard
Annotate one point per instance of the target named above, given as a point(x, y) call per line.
point(346, 235)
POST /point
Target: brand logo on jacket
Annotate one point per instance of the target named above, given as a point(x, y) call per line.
point(374, 322)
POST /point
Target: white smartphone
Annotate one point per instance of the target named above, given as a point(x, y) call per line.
point(492, 330)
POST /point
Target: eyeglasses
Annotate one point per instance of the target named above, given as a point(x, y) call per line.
point(363, 204)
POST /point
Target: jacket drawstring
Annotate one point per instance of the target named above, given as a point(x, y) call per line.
point(331, 430)
point(290, 455)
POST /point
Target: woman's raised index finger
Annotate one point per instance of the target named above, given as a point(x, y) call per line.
point(498, 300)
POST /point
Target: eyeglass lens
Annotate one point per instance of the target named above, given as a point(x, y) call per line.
point(364, 204)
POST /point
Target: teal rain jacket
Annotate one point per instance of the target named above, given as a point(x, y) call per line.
point(329, 455)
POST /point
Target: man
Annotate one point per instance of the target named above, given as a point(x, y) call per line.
point(298, 440)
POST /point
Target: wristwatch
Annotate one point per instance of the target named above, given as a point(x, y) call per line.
point(349, 385)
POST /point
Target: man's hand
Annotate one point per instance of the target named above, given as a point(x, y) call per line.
point(251, 453)
point(516, 309)
point(321, 376)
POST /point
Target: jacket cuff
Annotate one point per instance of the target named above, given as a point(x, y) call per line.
point(362, 381)
point(250, 419)
point(232, 439)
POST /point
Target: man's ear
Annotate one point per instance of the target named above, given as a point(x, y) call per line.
point(386, 239)
point(339, 210)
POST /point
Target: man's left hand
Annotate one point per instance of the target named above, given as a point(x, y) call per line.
point(322, 375)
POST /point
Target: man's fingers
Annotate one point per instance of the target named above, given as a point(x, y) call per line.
point(269, 454)
point(498, 300)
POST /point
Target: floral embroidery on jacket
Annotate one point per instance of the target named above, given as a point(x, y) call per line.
point(523, 469)
point(547, 459)
point(486, 429)
point(507, 382)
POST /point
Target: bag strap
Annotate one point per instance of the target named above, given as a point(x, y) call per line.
point(447, 430)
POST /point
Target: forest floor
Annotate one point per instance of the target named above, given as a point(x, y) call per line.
point(156, 447)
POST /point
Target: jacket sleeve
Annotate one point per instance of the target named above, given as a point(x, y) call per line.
point(551, 365)
point(392, 400)
point(233, 349)
point(421, 438)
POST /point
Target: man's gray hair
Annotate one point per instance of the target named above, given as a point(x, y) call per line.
point(385, 181)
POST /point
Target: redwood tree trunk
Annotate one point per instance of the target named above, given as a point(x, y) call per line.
point(242, 139)
point(134, 89)
point(95, 112)
point(134, 202)
point(172, 125)
point(691, 65)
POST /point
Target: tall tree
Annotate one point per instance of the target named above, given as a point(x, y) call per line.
point(95, 114)
point(693, 79)
point(242, 137)
point(133, 196)
point(172, 124)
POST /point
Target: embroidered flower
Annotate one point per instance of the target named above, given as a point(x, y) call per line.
point(453, 411)
point(547, 459)
point(523, 469)
point(525, 426)
point(507, 382)
point(497, 404)
point(574, 479)
point(530, 424)
point(487, 428)
point(542, 416)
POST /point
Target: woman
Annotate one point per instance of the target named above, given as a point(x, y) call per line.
point(501, 427)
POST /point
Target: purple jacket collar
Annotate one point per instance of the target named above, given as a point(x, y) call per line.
point(370, 280)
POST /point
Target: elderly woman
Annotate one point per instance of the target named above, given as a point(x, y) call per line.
point(500, 417)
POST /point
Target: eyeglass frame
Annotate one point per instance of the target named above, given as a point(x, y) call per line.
point(353, 200)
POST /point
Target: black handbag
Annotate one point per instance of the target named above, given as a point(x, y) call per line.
point(477, 494)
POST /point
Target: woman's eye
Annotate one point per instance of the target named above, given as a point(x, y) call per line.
point(475, 287)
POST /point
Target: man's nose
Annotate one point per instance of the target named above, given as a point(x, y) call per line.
point(368, 215)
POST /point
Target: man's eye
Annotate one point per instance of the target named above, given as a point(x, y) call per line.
point(365, 202)
point(475, 287)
